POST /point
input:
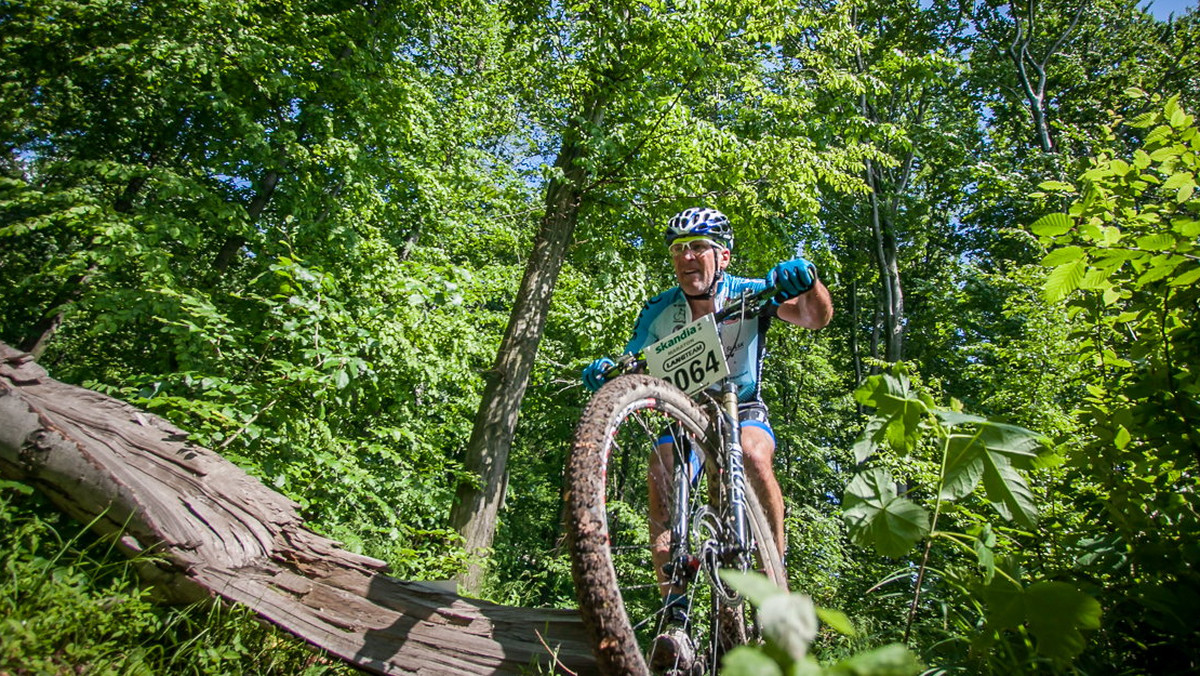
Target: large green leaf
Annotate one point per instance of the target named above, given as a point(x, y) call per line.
point(1063, 255)
point(756, 587)
point(1064, 279)
point(746, 661)
point(992, 452)
point(899, 413)
point(964, 468)
point(890, 660)
point(869, 440)
point(1008, 492)
point(878, 517)
point(1005, 601)
point(1057, 612)
point(1051, 225)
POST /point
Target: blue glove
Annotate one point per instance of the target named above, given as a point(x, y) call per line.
point(593, 374)
point(793, 278)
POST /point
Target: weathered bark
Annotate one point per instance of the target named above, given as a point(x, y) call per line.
point(477, 503)
point(214, 530)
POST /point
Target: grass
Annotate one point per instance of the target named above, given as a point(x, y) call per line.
point(70, 603)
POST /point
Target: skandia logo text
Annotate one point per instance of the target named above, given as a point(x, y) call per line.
point(686, 333)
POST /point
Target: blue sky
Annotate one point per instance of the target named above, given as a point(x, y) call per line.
point(1161, 8)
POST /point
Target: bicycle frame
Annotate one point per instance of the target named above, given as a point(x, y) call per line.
point(731, 544)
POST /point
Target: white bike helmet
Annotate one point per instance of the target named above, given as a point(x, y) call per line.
point(700, 222)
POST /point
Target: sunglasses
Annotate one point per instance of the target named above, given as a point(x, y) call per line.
point(697, 247)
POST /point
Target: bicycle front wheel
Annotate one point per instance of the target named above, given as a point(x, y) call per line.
point(644, 517)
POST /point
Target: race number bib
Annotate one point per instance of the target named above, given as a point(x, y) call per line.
point(691, 358)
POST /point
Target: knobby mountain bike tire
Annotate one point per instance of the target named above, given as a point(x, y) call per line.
point(608, 524)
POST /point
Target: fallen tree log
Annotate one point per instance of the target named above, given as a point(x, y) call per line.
point(211, 529)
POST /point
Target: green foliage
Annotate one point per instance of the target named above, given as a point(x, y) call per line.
point(788, 623)
point(877, 516)
point(1055, 612)
point(974, 451)
point(1124, 259)
point(72, 603)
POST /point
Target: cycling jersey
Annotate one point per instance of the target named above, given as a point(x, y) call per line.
point(744, 340)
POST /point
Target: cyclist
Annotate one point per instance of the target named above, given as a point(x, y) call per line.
point(700, 241)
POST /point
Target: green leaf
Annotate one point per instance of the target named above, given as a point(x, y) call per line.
point(984, 546)
point(788, 623)
point(1057, 612)
point(1172, 106)
point(1187, 278)
point(1096, 279)
point(1161, 267)
point(1063, 280)
point(890, 660)
point(1179, 119)
point(754, 586)
point(964, 469)
point(1005, 603)
point(878, 517)
point(746, 661)
point(1051, 225)
point(1121, 438)
point(1056, 186)
point(837, 621)
point(1009, 494)
point(990, 448)
point(1178, 180)
point(1066, 254)
point(900, 411)
point(868, 441)
point(952, 418)
point(1187, 227)
point(1185, 193)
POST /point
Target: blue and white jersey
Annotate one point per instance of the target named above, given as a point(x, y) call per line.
point(744, 340)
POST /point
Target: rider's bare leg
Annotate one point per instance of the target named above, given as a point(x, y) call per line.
point(759, 452)
point(660, 493)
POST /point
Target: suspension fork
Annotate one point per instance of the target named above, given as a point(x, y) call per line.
point(682, 471)
point(737, 466)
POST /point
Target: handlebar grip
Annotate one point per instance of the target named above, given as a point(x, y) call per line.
point(759, 300)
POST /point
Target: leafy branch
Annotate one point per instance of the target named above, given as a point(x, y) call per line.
point(974, 452)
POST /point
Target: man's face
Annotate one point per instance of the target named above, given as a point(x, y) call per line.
point(696, 262)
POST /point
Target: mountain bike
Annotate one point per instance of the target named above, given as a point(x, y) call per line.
point(714, 520)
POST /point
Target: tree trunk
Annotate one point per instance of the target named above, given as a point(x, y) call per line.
point(214, 530)
point(1031, 72)
point(234, 243)
point(855, 348)
point(477, 502)
point(887, 260)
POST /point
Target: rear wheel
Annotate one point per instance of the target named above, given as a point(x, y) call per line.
point(637, 432)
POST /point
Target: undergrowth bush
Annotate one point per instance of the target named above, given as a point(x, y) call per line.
point(72, 603)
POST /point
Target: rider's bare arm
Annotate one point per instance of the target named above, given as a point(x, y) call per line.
point(811, 310)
